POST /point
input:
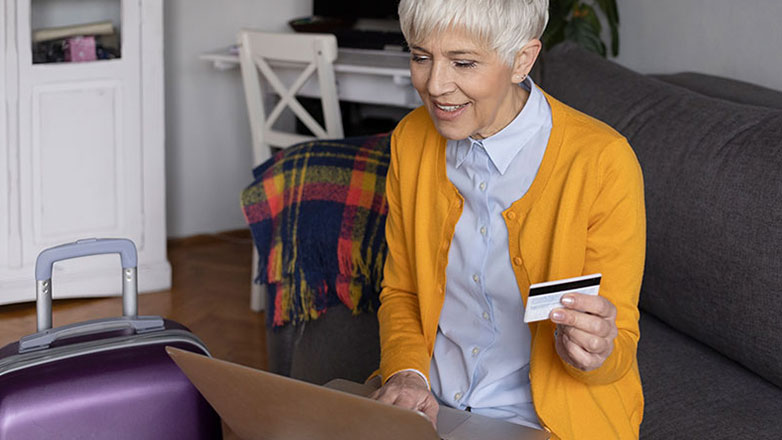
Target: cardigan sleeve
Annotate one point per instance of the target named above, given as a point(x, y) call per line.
point(615, 246)
point(402, 343)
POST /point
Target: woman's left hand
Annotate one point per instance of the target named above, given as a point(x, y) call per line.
point(586, 329)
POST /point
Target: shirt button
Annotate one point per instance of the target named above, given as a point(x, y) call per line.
point(511, 215)
point(483, 230)
point(475, 351)
point(485, 315)
point(476, 278)
point(517, 261)
point(457, 396)
point(482, 186)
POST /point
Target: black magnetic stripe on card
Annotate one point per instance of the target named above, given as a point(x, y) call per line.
point(572, 285)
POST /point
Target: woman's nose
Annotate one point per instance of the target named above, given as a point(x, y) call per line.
point(440, 81)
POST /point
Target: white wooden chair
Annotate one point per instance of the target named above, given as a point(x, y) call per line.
point(315, 54)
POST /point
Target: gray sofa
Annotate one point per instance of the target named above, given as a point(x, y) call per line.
point(710, 353)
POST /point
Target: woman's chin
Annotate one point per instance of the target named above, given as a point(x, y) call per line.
point(452, 130)
point(451, 125)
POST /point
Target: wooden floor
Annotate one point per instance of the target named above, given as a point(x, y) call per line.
point(210, 295)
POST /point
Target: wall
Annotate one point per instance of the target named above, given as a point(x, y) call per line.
point(738, 39)
point(208, 158)
point(208, 137)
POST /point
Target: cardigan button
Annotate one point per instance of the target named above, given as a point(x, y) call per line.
point(517, 261)
point(511, 215)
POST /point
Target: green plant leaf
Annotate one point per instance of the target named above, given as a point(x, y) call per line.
point(587, 13)
point(561, 8)
point(559, 14)
point(611, 12)
point(578, 20)
point(554, 34)
point(582, 31)
point(614, 40)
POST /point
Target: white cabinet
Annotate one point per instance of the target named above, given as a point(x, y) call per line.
point(81, 151)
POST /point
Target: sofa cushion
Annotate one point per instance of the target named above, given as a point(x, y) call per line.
point(724, 88)
point(694, 392)
point(713, 199)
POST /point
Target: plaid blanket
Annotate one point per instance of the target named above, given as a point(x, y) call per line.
point(317, 213)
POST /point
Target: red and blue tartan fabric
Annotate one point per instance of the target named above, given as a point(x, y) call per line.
point(317, 212)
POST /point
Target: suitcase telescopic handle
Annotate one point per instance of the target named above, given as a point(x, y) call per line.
point(83, 248)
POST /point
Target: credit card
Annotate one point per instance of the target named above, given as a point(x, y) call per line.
point(545, 297)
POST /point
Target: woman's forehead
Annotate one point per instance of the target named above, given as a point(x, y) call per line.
point(453, 40)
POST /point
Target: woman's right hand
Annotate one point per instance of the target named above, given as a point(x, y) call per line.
point(408, 390)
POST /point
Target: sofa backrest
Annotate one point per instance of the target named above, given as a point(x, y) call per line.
point(713, 183)
point(728, 89)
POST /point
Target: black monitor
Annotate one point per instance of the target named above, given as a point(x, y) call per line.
point(353, 9)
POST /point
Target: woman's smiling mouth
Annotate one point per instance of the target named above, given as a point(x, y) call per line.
point(448, 107)
point(448, 112)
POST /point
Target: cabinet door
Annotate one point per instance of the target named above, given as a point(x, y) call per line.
point(80, 149)
point(4, 150)
point(9, 138)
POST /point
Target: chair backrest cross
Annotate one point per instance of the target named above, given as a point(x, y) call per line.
point(314, 54)
point(311, 53)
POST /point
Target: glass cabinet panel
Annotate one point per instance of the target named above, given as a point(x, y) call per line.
point(75, 30)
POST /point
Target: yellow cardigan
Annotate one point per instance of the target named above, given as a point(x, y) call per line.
point(584, 213)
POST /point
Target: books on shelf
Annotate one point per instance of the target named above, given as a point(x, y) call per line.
point(76, 43)
point(62, 32)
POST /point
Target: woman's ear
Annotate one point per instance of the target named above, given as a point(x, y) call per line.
point(525, 59)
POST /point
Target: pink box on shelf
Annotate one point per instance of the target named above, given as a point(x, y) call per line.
point(81, 49)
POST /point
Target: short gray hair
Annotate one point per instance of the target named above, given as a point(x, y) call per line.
point(504, 25)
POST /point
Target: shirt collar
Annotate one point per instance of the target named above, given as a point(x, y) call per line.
point(504, 145)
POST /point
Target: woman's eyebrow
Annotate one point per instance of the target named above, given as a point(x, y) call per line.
point(450, 53)
point(453, 53)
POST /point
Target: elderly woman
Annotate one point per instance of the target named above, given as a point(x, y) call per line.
point(494, 185)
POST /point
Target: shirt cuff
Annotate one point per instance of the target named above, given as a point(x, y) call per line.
point(414, 371)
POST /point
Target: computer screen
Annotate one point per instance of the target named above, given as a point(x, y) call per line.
point(356, 8)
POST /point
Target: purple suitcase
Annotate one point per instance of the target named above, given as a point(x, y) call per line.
point(101, 379)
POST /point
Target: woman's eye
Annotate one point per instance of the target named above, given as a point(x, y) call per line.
point(419, 58)
point(464, 64)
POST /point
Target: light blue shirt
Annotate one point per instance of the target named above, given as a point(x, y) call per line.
point(482, 349)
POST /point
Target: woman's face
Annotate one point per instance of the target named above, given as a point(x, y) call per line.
point(466, 87)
